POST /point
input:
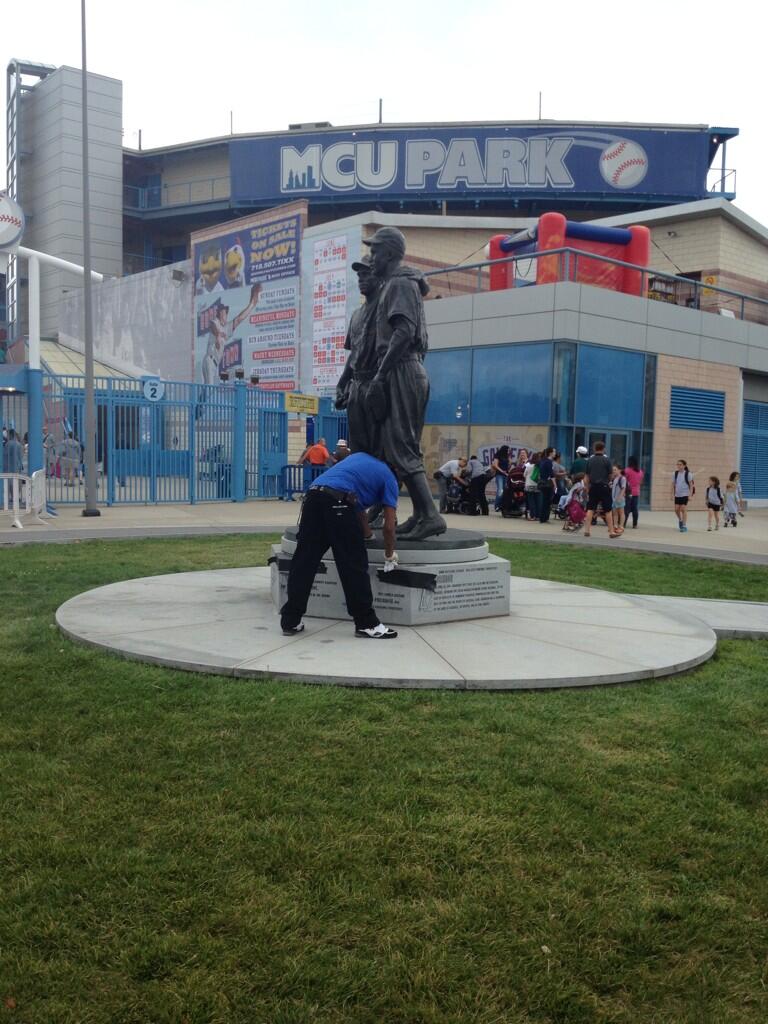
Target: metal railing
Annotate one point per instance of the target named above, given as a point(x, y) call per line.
point(721, 181)
point(684, 291)
point(182, 193)
point(195, 442)
point(296, 478)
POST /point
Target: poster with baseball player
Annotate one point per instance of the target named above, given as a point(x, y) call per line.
point(246, 304)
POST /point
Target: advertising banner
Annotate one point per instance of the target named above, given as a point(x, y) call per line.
point(595, 160)
point(247, 299)
point(329, 312)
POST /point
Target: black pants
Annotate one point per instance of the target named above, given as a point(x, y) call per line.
point(327, 522)
point(546, 493)
point(632, 500)
point(477, 493)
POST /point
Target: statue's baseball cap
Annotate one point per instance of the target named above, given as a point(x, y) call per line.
point(362, 265)
point(391, 237)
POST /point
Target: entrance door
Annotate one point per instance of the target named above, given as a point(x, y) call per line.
point(616, 444)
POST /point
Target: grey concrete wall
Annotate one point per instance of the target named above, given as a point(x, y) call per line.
point(141, 324)
point(51, 179)
point(595, 316)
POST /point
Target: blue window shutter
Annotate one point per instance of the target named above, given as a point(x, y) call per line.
point(754, 450)
point(695, 409)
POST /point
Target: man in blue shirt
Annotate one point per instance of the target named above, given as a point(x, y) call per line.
point(334, 517)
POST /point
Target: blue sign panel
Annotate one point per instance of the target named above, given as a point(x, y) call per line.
point(504, 160)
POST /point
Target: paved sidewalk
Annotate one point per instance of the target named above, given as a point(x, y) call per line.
point(657, 531)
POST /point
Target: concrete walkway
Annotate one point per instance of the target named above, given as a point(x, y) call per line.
point(657, 531)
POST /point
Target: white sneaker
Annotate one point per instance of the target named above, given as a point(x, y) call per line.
point(380, 632)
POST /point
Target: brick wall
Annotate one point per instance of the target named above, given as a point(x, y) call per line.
point(694, 246)
point(432, 248)
point(706, 453)
point(297, 437)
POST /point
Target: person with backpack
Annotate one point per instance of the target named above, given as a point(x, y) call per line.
point(714, 503)
point(598, 476)
point(683, 489)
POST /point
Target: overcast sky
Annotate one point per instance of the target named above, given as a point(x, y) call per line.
point(186, 64)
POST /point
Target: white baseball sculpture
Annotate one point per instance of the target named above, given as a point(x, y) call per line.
point(623, 164)
point(11, 222)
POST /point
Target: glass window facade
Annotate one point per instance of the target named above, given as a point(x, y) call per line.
point(512, 384)
point(609, 387)
point(576, 393)
point(450, 380)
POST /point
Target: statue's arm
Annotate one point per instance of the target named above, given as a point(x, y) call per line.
point(400, 344)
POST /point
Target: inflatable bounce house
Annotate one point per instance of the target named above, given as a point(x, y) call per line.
point(553, 231)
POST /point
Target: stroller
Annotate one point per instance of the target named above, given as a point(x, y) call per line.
point(457, 500)
point(513, 498)
point(560, 510)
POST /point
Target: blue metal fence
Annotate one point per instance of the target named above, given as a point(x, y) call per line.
point(178, 442)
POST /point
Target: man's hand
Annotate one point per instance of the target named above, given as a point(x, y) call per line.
point(390, 563)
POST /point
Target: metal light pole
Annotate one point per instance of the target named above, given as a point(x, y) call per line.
point(91, 507)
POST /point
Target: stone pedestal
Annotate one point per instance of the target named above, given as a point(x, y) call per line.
point(443, 579)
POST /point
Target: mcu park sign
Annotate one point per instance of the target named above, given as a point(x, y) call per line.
point(545, 158)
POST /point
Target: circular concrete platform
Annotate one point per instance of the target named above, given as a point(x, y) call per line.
point(450, 547)
point(223, 622)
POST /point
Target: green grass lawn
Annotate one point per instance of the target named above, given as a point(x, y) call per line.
point(190, 849)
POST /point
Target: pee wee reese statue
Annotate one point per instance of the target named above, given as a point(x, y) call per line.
point(398, 394)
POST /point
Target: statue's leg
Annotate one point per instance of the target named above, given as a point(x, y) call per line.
point(409, 523)
point(429, 521)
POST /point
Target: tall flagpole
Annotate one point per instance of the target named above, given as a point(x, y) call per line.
point(91, 505)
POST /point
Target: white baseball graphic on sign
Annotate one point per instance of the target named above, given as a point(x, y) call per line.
point(623, 164)
point(11, 222)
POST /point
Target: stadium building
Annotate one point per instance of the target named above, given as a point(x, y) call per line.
point(680, 370)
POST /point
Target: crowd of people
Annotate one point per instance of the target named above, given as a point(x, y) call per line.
point(593, 489)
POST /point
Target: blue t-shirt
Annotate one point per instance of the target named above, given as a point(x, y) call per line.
point(371, 480)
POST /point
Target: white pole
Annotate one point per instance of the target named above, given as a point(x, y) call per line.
point(56, 261)
point(33, 271)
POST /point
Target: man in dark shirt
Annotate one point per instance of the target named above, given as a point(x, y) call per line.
point(334, 517)
point(598, 475)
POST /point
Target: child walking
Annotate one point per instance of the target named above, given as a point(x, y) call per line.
point(683, 489)
point(736, 477)
point(714, 503)
point(619, 494)
point(732, 500)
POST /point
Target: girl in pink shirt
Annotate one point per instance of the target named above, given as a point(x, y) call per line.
point(635, 477)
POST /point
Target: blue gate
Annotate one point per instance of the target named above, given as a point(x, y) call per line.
point(331, 424)
point(173, 442)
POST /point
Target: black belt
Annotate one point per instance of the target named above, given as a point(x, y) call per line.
point(348, 497)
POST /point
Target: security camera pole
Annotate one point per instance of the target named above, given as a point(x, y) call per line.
point(91, 507)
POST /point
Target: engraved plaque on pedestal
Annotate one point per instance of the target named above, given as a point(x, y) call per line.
point(422, 592)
